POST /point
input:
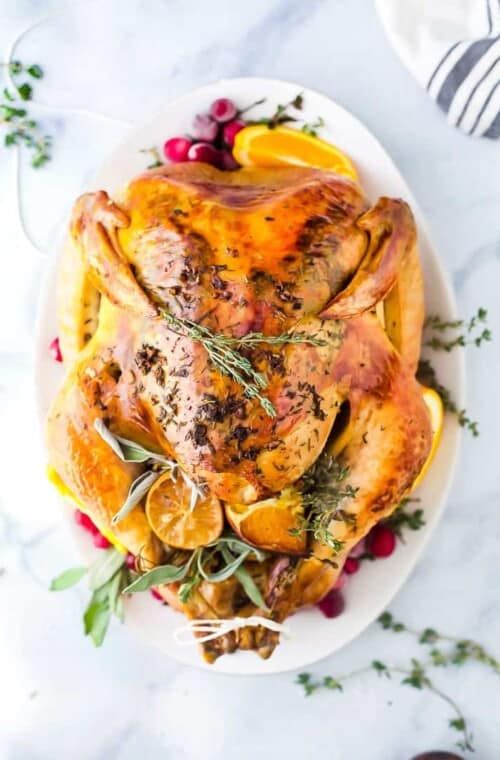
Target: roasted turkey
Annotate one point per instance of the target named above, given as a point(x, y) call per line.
point(265, 252)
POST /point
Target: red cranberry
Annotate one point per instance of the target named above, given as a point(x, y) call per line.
point(101, 542)
point(84, 520)
point(223, 110)
point(437, 756)
point(176, 149)
point(351, 565)
point(381, 541)
point(341, 581)
point(227, 161)
point(156, 594)
point(204, 128)
point(230, 131)
point(130, 560)
point(358, 549)
point(55, 350)
point(203, 151)
point(332, 605)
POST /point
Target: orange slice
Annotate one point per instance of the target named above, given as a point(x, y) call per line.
point(169, 514)
point(258, 145)
point(267, 523)
point(436, 412)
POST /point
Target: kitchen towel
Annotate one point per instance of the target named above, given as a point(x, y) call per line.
point(452, 47)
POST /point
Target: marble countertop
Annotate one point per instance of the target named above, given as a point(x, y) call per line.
point(59, 697)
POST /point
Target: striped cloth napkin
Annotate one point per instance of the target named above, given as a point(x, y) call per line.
point(452, 47)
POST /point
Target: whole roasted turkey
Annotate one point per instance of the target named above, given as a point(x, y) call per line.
point(271, 252)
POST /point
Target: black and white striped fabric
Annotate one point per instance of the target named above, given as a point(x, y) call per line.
point(453, 49)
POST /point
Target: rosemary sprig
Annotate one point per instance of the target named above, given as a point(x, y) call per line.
point(20, 128)
point(436, 324)
point(426, 374)
point(223, 351)
point(323, 493)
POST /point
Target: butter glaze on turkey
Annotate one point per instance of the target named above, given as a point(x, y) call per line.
point(255, 250)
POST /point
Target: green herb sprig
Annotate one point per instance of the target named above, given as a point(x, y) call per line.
point(426, 374)
point(402, 519)
point(21, 129)
point(154, 157)
point(323, 492)
point(223, 351)
point(228, 553)
point(464, 338)
point(107, 578)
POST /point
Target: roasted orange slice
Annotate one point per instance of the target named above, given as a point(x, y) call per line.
point(436, 412)
point(267, 524)
point(258, 145)
point(174, 522)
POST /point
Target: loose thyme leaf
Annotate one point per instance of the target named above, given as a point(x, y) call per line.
point(35, 71)
point(68, 578)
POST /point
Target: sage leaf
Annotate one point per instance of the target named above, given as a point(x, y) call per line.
point(161, 574)
point(232, 564)
point(137, 491)
point(129, 451)
point(96, 620)
point(68, 578)
point(114, 590)
point(104, 568)
point(251, 588)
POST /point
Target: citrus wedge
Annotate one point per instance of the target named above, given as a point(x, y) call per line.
point(174, 522)
point(436, 412)
point(267, 524)
point(258, 145)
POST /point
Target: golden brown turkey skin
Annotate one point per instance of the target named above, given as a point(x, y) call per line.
point(249, 251)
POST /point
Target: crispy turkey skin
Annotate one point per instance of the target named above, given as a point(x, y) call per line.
point(250, 251)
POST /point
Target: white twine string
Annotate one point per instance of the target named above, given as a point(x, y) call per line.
point(184, 636)
point(11, 49)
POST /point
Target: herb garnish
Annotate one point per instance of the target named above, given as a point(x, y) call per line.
point(154, 155)
point(107, 579)
point(401, 519)
point(426, 374)
point(129, 451)
point(228, 554)
point(415, 674)
point(323, 492)
point(436, 324)
point(21, 129)
point(223, 351)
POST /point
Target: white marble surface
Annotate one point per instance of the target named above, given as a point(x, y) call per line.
point(60, 698)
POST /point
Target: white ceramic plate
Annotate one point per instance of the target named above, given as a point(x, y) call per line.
point(371, 590)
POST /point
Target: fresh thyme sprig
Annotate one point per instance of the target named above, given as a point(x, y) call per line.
point(223, 351)
point(436, 324)
point(426, 374)
point(323, 492)
point(20, 128)
point(461, 651)
point(414, 675)
point(154, 155)
point(401, 519)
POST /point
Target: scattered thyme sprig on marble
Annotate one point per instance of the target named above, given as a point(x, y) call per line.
point(426, 374)
point(415, 674)
point(223, 351)
point(20, 128)
point(464, 338)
